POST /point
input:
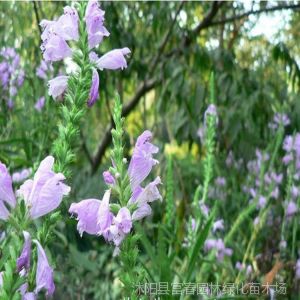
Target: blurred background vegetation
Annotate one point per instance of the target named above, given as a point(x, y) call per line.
point(253, 48)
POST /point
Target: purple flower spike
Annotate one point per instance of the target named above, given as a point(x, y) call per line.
point(6, 190)
point(45, 192)
point(142, 161)
point(109, 179)
point(24, 260)
point(94, 91)
point(57, 86)
point(113, 60)
point(44, 273)
point(40, 104)
point(87, 214)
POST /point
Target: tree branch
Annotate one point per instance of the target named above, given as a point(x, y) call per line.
point(165, 40)
point(254, 12)
point(37, 16)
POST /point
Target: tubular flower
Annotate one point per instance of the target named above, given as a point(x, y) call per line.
point(45, 192)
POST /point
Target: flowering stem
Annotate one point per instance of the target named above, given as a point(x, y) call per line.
point(76, 97)
point(209, 142)
point(122, 186)
point(130, 274)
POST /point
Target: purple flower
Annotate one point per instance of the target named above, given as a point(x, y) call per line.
point(11, 76)
point(94, 18)
point(287, 158)
point(143, 211)
point(67, 24)
point(291, 209)
point(148, 194)
point(249, 270)
point(6, 190)
point(297, 144)
point(275, 193)
point(10, 104)
point(262, 201)
point(21, 175)
point(55, 48)
point(113, 60)
point(219, 246)
point(44, 273)
point(109, 179)
point(143, 196)
point(57, 86)
point(24, 260)
point(94, 91)
point(282, 244)
point(277, 178)
point(220, 181)
point(123, 220)
point(288, 143)
point(87, 215)
point(211, 111)
point(295, 192)
point(209, 244)
point(40, 104)
point(218, 225)
point(204, 209)
point(239, 266)
point(43, 69)
point(29, 296)
point(56, 33)
point(256, 221)
point(12, 91)
point(142, 161)
point(230, 159)
point(44, 193)
point(279, 119)
point(20, 78)
point(297, 269)
point(193, 224)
